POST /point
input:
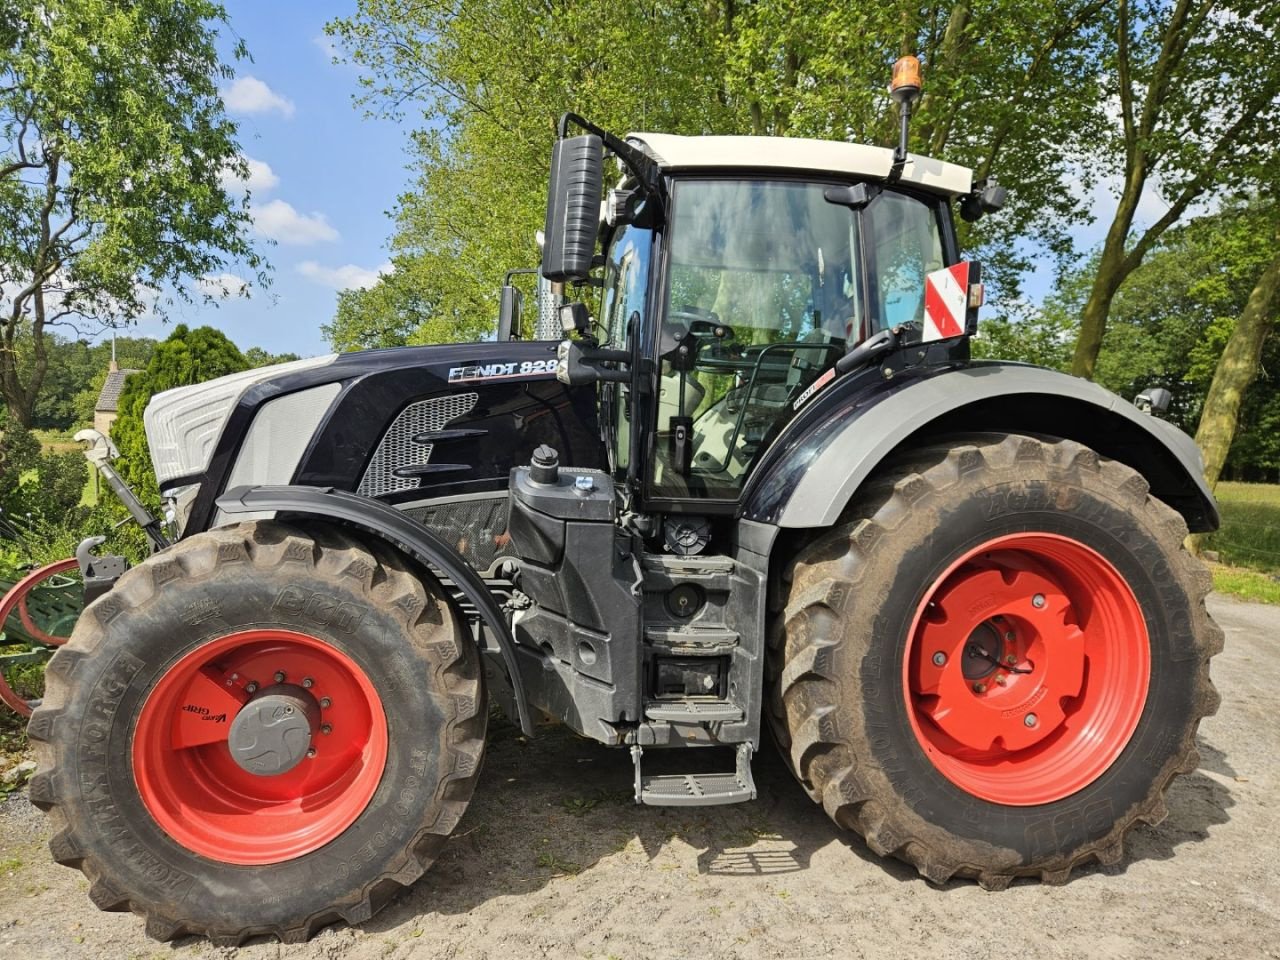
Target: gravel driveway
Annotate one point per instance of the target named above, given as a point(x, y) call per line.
point(553, 860)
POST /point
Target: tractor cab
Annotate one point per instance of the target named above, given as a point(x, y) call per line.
point(737, 273)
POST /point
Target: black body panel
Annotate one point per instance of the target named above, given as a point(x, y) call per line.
point(519, 405)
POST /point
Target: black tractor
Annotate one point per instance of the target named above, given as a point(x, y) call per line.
point(758, 482)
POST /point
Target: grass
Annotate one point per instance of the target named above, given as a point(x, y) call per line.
point(1250, 532)
point(1245, 584)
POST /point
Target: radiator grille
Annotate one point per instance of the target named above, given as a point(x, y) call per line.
point(476, 528)
point(397, 449)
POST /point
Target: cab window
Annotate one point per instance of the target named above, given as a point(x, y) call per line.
point(626, 278)
point(905, 245)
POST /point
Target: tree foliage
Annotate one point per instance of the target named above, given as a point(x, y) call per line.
point(113, 150)
point(1011, 88)
point(1170, 325)
point(1196, 86)
point(185, 357)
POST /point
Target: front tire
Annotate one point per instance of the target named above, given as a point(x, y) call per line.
point(261, 730)
point(997, 665)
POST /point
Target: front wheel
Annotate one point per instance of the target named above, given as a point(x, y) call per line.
point(260, 730)
point(996, 667)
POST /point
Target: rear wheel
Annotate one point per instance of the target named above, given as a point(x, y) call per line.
point(996, 667)
point(259, 731)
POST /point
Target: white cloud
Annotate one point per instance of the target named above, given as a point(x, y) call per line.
point(221, 285)
point(251, 95)
point(262, 178)
point(326, 45)
point(346, 277)
point(279, 221)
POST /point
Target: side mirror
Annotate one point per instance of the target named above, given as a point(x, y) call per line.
point(573, 208)
point(510, 307)
point(1153, 400)
point(987, 197)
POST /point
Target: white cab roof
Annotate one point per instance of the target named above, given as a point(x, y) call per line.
point(793, 153)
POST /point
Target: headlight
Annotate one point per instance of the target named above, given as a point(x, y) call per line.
point(178, 502)
point(183, 424)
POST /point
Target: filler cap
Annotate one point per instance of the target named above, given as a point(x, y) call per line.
point(545, 466)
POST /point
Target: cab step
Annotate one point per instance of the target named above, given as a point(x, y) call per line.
point(696, 789)
point(692, 711)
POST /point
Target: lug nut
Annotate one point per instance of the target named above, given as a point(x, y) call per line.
point(979, 688)
point(324, 703)
point(1009, 636)
point(1010, 659)
point(1000, 680)
point(311, 751)
point(1030, 720)
point(326, 729)
point(279, 676)
point(1038, 601)
point(308, 683)
point(939, 659)
point(251, 687)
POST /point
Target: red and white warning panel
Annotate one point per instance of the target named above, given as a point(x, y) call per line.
point(946, 302)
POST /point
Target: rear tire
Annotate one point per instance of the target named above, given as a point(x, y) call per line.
point(174, 828)
point(1037, 765)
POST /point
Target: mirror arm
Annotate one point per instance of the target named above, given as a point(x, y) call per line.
point(640, 163)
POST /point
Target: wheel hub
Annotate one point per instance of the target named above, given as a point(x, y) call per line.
point(272, 732)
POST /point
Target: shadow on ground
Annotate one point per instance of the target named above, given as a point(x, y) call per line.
point(556, 805)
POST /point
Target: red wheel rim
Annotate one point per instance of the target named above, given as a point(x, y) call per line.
point(1027, 669)
point(206, 801)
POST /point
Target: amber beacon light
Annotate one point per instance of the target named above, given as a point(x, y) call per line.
point(906, 79)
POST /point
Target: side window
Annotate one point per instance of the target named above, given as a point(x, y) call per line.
point(905, 245)
point(626, 281)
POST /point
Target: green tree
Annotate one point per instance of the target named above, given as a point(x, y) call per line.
point(1017, 104)
point(258, 357)
point(1197, 88)
point(113, 146)
point(186, 356)
point(1237, 369)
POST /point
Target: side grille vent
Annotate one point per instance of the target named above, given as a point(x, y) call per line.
point(397, 447)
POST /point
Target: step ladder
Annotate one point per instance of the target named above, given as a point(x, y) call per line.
point(696, 789)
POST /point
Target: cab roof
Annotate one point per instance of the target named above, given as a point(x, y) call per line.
point(679, 153)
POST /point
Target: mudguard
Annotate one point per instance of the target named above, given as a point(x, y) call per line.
point(829, 451)
point(400, 531)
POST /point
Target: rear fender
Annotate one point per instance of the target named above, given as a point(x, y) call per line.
point(826, 454)
point(403, 533)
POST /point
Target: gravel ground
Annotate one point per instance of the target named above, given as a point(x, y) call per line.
point(553, 860)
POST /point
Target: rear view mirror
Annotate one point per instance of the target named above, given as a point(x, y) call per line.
point(510, 306)
point(573, 208)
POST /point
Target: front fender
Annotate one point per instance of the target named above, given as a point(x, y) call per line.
point(828, 452)
point(402, 532)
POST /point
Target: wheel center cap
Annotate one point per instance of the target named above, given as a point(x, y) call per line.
point(272, 732)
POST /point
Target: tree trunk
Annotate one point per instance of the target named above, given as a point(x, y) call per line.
point(1113, 267)
point(1236, 369)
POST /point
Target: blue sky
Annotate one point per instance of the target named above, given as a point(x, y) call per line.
point(324, 177)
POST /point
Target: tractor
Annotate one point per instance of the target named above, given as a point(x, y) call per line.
point(757, 481)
